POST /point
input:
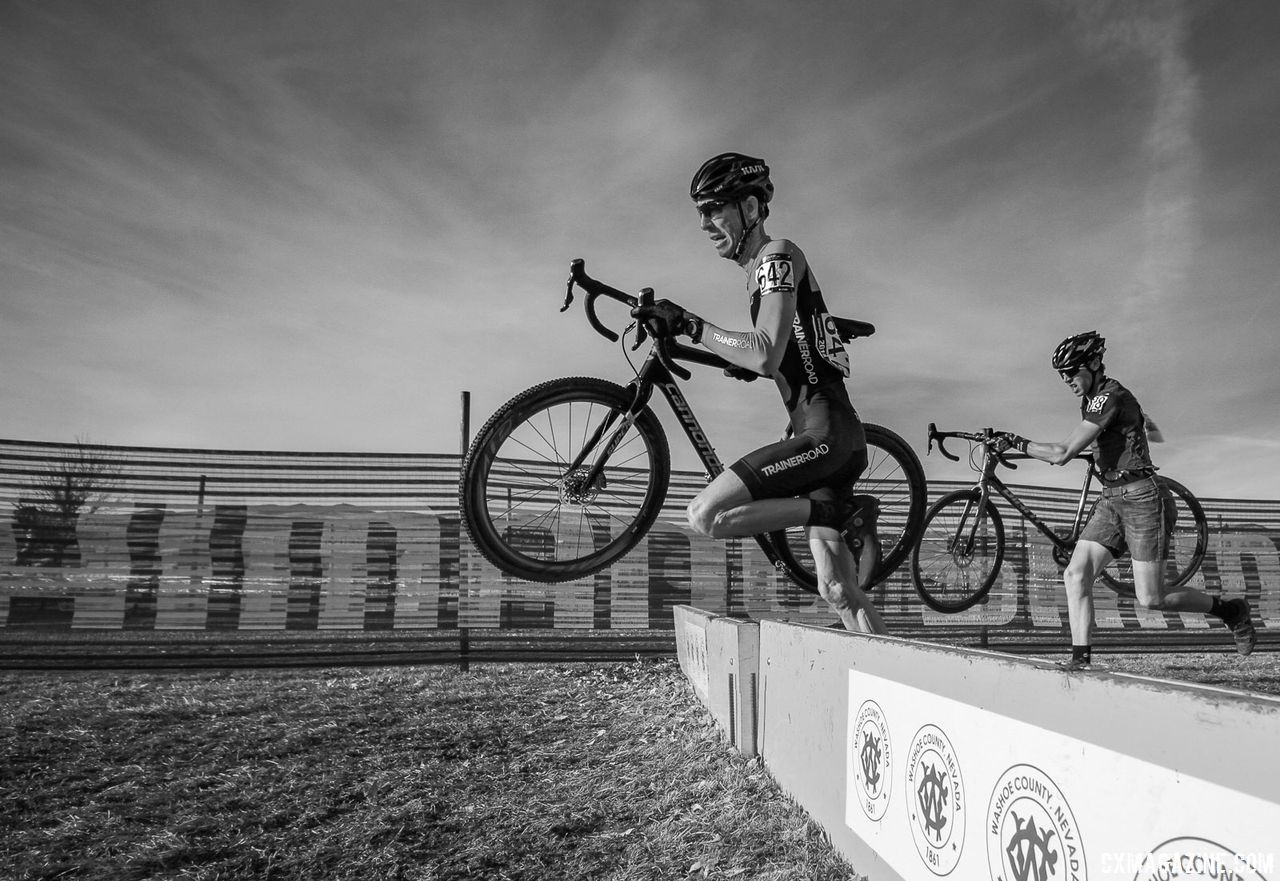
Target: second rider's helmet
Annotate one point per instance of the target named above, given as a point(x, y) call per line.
point(731, 177)
point(1077, 351)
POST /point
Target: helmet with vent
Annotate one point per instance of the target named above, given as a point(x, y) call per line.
point(731, 177)
point(1077, 351)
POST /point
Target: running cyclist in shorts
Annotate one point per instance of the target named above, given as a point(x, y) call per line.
point(1131, 512)
point(807, 479)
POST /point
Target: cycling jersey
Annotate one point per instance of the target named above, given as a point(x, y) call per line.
point(1122, 445)
point(814, 356)
point(828, 446)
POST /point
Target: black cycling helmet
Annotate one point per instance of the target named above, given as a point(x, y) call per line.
point(1077, 351)
point(731, 177)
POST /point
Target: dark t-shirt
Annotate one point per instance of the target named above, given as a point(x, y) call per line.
point(1122, 445)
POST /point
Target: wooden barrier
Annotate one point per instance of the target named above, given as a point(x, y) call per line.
point(721, 658)
point(924, 761)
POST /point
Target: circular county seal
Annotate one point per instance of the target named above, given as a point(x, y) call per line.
point(1031, 832)
point(937, 799)
point(1193, 858)
point(872, 760)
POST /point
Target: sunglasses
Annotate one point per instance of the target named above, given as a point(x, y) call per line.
point(708, 209)
point(1068, 375)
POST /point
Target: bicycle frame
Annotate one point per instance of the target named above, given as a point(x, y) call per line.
point(655, 373)
point(990, 481)
point(661, 369)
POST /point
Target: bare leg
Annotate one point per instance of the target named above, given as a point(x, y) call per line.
point(1087, 560)
point(725, 509)
point(1148, 584)
point(838, 582)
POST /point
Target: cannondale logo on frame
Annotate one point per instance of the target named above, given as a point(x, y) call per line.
point(937, 800)
point(1031, 832)
point(872, 760)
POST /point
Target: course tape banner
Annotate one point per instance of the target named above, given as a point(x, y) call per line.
point(240, 540)
point(317, 567)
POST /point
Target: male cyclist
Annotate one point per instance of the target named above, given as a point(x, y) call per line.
point(1132, 510)
point(808, 478)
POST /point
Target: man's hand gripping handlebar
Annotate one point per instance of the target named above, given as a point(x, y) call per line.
point(997, 443)
point(668, 349)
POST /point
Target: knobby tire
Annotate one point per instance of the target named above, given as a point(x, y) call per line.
point(950, 573)
point(533, 516)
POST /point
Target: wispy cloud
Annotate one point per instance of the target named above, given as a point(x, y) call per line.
point(311, 224)
point(1150, 38)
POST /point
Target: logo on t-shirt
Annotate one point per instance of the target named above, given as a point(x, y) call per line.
point(1095, 403)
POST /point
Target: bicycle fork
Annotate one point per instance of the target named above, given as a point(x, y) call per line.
point(966, 534)
point(579, 486)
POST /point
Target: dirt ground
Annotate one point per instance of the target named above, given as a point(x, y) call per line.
point(1258, 673)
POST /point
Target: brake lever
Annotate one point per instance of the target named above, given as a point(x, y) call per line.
point(669, 362)
point(1005, 462)
point(568, 292)
point(641, 335)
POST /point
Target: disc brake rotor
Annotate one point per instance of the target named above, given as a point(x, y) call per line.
point(576, 489)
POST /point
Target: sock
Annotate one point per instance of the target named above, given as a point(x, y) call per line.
point(1219, 609)
point(1082, 653)
point(824, 513)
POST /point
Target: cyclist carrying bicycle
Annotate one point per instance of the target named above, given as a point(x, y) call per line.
point(807, 479)
point(1132, 509)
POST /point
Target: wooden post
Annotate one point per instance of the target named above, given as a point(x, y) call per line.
point(466, 422)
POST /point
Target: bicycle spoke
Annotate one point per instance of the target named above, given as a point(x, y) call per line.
point(959, 553)
point(547, 489)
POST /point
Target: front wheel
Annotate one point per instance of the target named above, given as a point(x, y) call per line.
point(563, 480)
point(959, 553)
point(1188, 541)
point(896, 479)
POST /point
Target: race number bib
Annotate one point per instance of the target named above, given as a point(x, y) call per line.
point(775, 275)
point(830, 347)
point(1096, 403)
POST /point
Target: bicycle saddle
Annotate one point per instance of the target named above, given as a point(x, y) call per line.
point(851, 328)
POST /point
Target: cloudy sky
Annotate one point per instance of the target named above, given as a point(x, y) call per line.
point(289, 225)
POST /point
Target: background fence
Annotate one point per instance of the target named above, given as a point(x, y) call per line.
point(212, 540)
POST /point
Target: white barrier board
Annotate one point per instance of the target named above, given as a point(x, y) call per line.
point(939, 788)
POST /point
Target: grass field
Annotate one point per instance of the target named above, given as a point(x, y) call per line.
point(533, 772)
point(608, 771)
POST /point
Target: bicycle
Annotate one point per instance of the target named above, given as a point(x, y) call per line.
point(962, 540)
point(566, 477)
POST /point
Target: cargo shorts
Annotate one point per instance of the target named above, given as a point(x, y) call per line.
point(1137, 517)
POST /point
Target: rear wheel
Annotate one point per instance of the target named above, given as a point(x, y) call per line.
point(1188, 541)
point(561, 481)
point(895, 478)
point(959, 553)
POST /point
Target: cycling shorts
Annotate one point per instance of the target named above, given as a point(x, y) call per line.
point(827, 452)
point(1136, 517)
